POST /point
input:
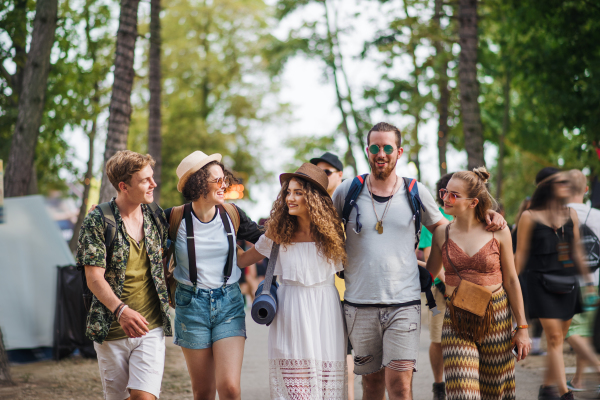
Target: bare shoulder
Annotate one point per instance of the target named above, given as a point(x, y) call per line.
point(504, 236)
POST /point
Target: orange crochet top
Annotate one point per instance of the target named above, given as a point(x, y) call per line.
point(483, 268)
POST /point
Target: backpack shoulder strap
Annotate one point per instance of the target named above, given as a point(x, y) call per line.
point(416, 205)
point(158, 218)
point(175, 216)
point(234, 215)
point(110, 228)
point(228, 269)
point(350, 202)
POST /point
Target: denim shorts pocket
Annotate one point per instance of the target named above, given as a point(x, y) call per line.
point(235, 294)
point(183, 298)
point(350, 317)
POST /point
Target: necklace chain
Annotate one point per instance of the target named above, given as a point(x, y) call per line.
point(128, 228)
point(379, 225)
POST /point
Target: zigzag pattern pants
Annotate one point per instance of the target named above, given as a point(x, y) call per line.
point(483, 371)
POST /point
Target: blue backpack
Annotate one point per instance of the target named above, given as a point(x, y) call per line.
point(416, 205)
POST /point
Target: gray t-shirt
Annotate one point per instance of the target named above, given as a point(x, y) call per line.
point(382, 269)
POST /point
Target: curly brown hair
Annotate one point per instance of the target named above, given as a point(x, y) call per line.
point(197, 184)
point(325, 223)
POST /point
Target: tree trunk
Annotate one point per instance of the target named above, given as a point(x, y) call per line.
point(505, 127)
point(442, 72)
point(349, 158)
point(4, 367)
point(154, 117)
point(87, 183)
point(31, 99)
point(120, 101)
point(469, 86)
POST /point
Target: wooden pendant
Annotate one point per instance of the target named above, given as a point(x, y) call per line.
point(379, 227)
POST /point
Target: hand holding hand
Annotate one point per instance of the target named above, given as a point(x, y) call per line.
point(92, 208)
point(133, 323)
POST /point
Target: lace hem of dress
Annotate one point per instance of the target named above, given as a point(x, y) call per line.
point(295, 379)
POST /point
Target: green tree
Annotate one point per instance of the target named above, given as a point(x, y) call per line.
point(217, 78)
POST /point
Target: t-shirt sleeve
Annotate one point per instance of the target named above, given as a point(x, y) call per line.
point(90, 248)
point(433, 214)
point(264, 245)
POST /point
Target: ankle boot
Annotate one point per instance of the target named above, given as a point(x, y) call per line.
point(567, 396)
point(548, 393)
point(439, 391)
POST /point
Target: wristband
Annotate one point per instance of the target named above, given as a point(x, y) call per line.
point(521, 327)
point(588, 284)
point(121, 312)
point(118, 308)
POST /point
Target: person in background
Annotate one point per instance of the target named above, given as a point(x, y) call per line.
point(548, 247)
point(580, 330)
point(129, 317)
point(439, 293)
point(333, 168)
point(534, 323)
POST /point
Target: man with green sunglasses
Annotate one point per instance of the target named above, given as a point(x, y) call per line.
point(383, 291)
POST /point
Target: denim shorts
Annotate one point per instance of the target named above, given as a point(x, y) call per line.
point(383, 336)
point(203, 316)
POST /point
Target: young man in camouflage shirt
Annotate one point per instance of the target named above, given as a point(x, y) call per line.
point(129, 316)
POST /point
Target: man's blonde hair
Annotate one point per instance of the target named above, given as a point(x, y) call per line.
point(578, 181)
point(125, 163)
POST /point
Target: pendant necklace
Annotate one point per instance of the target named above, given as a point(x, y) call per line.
point(379, 224)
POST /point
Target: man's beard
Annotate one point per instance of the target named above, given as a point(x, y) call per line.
point(382, 175)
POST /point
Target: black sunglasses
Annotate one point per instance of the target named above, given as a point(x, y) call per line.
point(328, 172)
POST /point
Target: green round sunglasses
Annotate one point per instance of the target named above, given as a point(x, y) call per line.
point(387, 149)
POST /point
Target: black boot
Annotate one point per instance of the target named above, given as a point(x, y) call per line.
point(439, 391)
point(548, 393)
point(567, 396)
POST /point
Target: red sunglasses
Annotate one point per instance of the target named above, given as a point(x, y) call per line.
point(452, 197)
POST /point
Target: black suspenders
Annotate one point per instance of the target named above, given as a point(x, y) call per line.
point(191, 247)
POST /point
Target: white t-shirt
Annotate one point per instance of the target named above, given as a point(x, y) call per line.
point(212, 249)
point(593, 222)
point(382, 269)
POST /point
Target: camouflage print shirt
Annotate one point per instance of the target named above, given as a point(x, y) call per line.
point(92, 251)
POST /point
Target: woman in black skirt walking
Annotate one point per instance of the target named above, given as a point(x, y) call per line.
point(548, 249)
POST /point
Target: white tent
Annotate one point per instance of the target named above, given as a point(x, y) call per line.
point(31, 247)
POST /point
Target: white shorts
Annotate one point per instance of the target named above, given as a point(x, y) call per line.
point(127, 364)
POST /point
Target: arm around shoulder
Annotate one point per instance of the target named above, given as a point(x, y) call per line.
point(434, 262)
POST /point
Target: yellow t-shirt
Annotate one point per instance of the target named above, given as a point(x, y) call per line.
point(139, 292)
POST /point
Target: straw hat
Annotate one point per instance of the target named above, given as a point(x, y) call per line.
point(192, 164)
point(311, 173)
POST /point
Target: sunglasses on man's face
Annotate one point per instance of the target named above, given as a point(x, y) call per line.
point(387, 149)
point(328, 172)
point(223, 181)
point(452, 197)
point(562, 182)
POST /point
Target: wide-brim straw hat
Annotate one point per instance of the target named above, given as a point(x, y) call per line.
point(192, 164)
point(311, 173)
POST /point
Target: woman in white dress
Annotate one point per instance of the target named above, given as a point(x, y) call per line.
point(307, 339)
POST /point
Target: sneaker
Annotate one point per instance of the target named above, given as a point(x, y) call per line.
point(439, 391)
point(567, 396)
point(548, 393)
point(573, 388)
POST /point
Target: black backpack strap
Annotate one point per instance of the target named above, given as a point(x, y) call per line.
point(110, 228)
point(350, 201)
point(191, 246)
point(159, 220)
point(228, 269)
point(416, 205)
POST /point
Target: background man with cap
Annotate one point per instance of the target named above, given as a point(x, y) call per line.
point(333, 167)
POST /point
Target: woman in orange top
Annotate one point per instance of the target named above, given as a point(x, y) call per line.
point(478, 359)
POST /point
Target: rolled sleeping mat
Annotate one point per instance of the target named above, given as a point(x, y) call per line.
point(264, 306)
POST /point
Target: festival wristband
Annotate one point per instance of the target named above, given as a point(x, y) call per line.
point(118, 308)
point(121, 312)
point(521, 327)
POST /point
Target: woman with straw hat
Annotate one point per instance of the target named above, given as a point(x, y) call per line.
point(209, 314)
point(307, 339)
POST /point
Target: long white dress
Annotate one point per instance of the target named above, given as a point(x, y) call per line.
point(307, 339)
